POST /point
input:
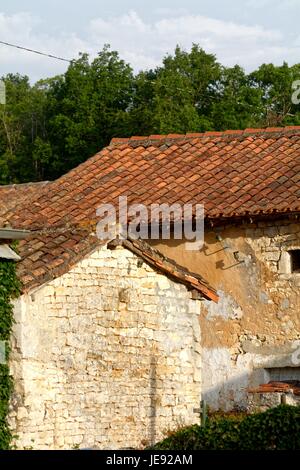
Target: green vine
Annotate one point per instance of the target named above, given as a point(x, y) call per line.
point(9, 289)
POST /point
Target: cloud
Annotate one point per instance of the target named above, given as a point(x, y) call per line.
point(26, 30)
point(232, 43)
point(170, 11)
point(208, 27)
point(141, 43)
point(274, 4)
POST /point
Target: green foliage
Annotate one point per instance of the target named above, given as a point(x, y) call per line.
point(88, 106)
point(238, 104)
point(275, 85)
point(50, 127)
point(9, 289)
point(275, 429)
point(184, 91)
point(22, 120)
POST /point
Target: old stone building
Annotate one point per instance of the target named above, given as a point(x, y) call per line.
point(108, 349)
point(107, 354)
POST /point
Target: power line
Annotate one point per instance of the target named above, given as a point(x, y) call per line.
point(35, 52)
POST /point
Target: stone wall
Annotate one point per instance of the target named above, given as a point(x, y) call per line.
point(258, 402)
point(256, 324)
point(106, 356)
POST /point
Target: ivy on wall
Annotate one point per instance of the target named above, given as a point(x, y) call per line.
point(9, 289)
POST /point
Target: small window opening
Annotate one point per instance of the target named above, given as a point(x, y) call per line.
point(283, 374)
point(295, 261)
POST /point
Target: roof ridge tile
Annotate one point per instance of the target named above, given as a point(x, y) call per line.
point(205, 134)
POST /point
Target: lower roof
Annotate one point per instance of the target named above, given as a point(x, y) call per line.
point(50, 254)
point(234, 174)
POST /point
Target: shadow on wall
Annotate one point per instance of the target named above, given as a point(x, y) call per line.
point(232, 393)
point(153, 399)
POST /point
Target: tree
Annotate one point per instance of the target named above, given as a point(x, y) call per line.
point(275, 83)
point(22, 120)
point(87, 107)
point(184, 91)
point(238, 104)
point(50, 127)
point(141, 112)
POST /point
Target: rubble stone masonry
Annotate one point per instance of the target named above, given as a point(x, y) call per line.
point(106, 356)
point(255, 326)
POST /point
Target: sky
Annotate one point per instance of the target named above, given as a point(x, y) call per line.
point(244, 32)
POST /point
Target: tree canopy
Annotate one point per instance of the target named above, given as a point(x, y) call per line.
point(53, 125)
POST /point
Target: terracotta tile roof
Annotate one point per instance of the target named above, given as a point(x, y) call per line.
point(12, 196)
point(234, 173)
point(49, 254)
point(282, 387)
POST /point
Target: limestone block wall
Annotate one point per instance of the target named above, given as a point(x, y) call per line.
point(255, 327)
point(263, 401)
point(107, 356)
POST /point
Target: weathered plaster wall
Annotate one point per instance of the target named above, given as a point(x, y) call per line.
point(256, 324)
point(108, 355)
